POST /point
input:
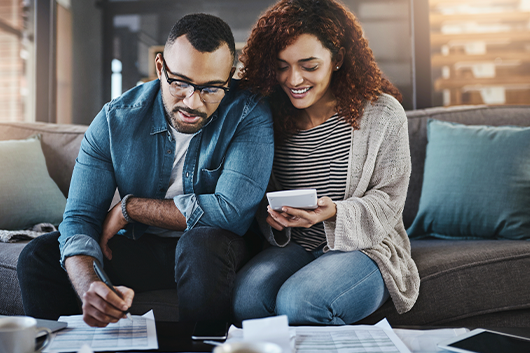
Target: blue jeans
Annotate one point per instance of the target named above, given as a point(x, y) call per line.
point(333, 288)
point(201, 265)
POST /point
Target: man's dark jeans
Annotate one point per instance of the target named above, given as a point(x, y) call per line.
point(201, 265)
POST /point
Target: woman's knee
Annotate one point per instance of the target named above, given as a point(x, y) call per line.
point(311, 303)
point(302, 304)
point(253, 296)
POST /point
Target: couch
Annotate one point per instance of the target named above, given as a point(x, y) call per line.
point(464, 283)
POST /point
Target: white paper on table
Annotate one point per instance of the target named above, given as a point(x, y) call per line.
point(348, 338)
point(273, 329)
point(424, 341)
point(139, 333)
point(85, 349)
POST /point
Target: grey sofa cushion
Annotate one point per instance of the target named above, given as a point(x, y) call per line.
point(462, 279)
point(10, 299)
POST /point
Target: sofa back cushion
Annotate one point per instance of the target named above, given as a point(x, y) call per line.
point(29, 196)
point(468, 115)
point(60, 145)
point(476, 183)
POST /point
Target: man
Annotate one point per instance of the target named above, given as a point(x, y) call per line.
point(191, 156)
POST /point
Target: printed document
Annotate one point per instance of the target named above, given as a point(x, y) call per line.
point(345, 339)
point(339, 339)
point(138, 333)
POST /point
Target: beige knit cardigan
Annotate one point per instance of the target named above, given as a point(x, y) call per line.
point(369, 219)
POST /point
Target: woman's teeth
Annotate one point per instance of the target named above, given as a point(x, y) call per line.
point(300, 91)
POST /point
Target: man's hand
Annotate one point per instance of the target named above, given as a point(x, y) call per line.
point(112, 224)
point(295, 217)
point(102, 306)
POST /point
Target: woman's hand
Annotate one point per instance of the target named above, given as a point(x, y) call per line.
point(295, 217)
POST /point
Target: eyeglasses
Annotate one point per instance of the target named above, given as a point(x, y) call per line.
point(182, 89)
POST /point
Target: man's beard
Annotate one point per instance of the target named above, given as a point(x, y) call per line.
point(183, 127)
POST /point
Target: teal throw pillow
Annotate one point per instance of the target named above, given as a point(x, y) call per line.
point(476, 183)
point(28, 195)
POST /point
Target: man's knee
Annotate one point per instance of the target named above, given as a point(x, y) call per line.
point(205, 239)
point(44, 247)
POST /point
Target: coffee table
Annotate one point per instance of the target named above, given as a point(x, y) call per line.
point(176, 336)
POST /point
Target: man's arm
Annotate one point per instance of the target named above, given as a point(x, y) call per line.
point(159, 213)
point(153, 212)
point(101, 305)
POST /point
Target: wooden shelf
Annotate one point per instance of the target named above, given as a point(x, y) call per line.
point(508, 82)
point(454, 83)
point(438, 39)
point(437, 18)
point(439, 60)
point(435, 3)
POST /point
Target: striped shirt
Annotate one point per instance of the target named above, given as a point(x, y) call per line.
point(316, 158)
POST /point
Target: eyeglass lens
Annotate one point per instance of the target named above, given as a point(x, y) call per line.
point(185, 90)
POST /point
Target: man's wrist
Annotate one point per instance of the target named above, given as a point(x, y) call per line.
point(124, 208)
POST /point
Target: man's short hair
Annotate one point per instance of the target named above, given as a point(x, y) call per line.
point(206, 33)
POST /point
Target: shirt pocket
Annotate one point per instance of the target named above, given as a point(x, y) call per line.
point(209, 178)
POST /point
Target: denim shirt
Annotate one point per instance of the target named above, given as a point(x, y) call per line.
point(129, 146)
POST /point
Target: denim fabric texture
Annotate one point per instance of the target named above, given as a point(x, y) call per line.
point(332, 288)
point(129, 146)
point(150, 263)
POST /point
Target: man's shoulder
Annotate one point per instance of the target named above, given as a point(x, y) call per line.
point(141, 95)
point(241, 96)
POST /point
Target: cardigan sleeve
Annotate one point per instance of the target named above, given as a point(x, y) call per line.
point(376, 206)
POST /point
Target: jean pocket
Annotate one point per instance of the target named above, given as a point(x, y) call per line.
point(209, 178)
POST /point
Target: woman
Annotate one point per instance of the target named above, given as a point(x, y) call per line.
point(338, 131)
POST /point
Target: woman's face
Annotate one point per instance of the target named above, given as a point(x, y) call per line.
point(304, 71)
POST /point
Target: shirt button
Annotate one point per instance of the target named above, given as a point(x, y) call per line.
point(187, 174)
point(168, 151)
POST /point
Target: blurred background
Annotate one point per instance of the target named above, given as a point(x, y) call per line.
point(61, 60)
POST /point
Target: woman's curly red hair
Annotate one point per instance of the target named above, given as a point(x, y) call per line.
point(358, 80)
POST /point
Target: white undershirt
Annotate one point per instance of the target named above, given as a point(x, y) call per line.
point(176, 185)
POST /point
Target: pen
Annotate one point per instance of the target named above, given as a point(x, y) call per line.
point(105, 279)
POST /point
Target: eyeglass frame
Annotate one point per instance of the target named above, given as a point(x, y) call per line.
point(195, 87)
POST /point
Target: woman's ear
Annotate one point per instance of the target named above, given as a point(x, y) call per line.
point(339, 58)
point(158, 64)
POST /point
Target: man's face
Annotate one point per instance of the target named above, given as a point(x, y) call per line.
point(188, 65)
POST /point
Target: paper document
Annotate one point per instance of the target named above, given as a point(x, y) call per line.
point(273, 329)
point(343, 339)
point(424, 341)
point(138, 334)
point(340, 339)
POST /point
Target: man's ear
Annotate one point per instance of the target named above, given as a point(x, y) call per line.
point(158, 64)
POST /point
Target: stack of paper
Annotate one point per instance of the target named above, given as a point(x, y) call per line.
point(138, 333)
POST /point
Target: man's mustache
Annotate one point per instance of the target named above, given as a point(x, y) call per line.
point(189, 111)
